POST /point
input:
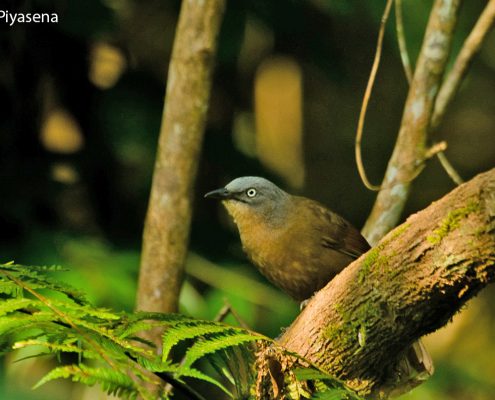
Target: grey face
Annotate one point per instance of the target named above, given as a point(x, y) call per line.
point(258, 193)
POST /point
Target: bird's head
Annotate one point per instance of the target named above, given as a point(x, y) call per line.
point(255, 198)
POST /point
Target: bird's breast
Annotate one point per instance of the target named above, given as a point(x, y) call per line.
point(278, 255)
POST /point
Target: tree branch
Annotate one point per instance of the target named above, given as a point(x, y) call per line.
point(410, 284)
point(408, 155)
point(168, 218)
point(470, 48)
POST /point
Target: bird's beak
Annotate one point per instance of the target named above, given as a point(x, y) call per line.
point(222, 194)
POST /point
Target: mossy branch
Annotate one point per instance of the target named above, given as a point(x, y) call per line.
point(410, 284)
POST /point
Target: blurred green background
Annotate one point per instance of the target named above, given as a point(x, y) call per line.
point(81, 104)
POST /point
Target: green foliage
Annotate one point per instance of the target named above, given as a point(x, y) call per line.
point(113, 382)
point(52, 318)
point(327, 386)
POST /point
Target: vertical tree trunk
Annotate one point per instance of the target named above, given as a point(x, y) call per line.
point(166, 230)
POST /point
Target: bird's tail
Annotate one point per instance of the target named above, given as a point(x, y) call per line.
point(412, 369)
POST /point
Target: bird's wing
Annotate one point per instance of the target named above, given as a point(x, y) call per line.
point(336, 233)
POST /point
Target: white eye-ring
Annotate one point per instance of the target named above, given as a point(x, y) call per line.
point(251, 192)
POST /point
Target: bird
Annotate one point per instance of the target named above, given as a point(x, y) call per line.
point(300, 246)
point(296, 243)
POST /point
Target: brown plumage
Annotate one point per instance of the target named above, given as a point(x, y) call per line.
point(297, 243)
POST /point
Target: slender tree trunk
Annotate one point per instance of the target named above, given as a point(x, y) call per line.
point(166, 230)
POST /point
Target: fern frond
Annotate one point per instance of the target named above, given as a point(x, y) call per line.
point(22, 322)
point(213, 344)
point(54, 324)
point(40, 268)
point(237, 365)
point(195, 373)
point(190, 330)
point(56, 347)
point(307, 374)
point(9, 288)
point(127, 330)
point(86, 311)
point(111, 381)
point(10, 305)
point(328, 387)
point(143, 321)
point(37, 280)
point(156, 316)
point(334, 394)
point(155, 364)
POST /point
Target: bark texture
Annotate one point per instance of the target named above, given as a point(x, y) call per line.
point(166, 230)
point(410, 284)
point(410, 149)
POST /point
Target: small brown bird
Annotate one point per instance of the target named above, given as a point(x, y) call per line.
point(300, 245)
point(297, 243)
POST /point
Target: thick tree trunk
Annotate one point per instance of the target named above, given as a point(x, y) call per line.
point(409, 285)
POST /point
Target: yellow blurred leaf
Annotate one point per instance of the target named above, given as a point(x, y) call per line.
point(278, 112)
point(60, 132)
point(107, 64)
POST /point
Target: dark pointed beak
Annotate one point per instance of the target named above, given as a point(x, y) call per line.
point(222, 194)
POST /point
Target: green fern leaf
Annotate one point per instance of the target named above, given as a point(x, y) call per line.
point(334, 394)
point(174, 335)
point(111, 381)
point(194, 373)
point(143, 321)
point(85, 311)
point(155, 316)
point(9, 288)
point(54, 324)
point(237, 365)
point(56, 347)
point(306, 374)
point(156, 365)
point(129, 330)
point(34, 278)
point(10, 305)
point(213, 344)
point(23, 322)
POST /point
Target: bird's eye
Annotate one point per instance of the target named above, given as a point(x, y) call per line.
point(251, 192)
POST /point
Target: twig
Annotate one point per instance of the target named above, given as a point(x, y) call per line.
point(401, 39)
point(223, 312)
point(470, 48)
point(228, 309)
point(366, 99)
point(447, 166)
point(435, 149)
